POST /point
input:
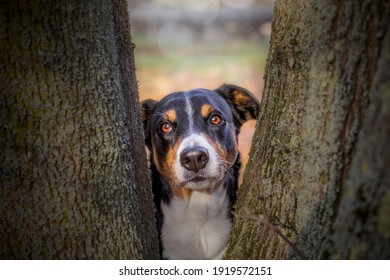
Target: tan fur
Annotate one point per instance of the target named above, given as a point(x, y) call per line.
point(165, 168)
point(206, 110)
point(240, 97)
point(171, 115)
point(182, 193)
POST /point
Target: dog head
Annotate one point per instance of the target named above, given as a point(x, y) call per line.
point(192, 135)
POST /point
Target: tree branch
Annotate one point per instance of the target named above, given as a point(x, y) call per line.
point(264, 219)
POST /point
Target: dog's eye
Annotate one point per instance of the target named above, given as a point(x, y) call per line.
point(215, 119)
point(166, 127)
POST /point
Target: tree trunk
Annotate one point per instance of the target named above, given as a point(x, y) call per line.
point(74, 180)
point(318, 175)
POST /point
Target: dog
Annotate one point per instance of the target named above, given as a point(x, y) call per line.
point(191, 137)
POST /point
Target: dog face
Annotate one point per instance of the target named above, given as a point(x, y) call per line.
point(192, 135)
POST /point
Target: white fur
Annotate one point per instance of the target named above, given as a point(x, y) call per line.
point(198, 228)
point(212, 169)
point(190, 112)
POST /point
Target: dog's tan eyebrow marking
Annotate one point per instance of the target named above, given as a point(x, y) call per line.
point(206, 110)
point(171, 115)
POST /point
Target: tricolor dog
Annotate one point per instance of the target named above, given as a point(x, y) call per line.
point(192, 141)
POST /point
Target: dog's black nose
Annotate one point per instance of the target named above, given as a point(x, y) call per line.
point(194, 158)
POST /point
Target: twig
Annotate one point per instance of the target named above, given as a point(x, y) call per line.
point(266, 221)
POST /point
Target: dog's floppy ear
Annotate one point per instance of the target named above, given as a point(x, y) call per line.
point(244, 104)
point(147, 108)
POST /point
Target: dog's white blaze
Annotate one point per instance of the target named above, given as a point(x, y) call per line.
point(190, 112)
point(198, 228)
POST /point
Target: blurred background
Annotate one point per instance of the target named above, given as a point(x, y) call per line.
point(184, 44)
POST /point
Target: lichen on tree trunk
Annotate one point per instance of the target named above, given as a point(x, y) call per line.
point(318, 161)
point(74, 180)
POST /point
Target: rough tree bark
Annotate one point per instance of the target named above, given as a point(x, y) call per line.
point(74, 181)
point(320, 157)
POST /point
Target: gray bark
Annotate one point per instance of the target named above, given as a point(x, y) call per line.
point(319, 162)
point(74, 180)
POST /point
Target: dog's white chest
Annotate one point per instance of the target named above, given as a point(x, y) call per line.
point(198, 228)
